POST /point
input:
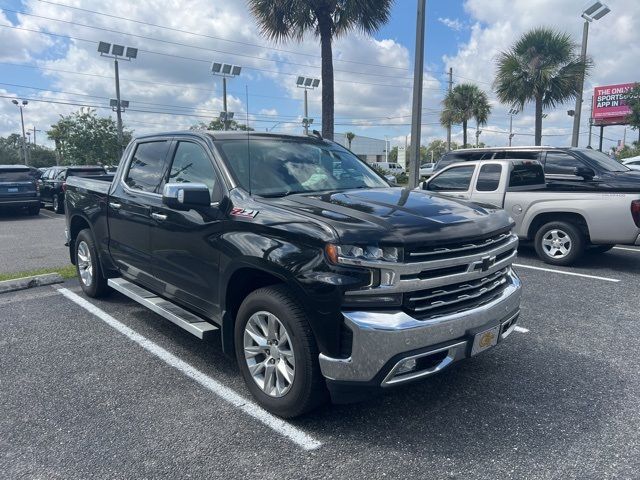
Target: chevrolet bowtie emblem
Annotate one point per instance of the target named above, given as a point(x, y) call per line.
point(487, 263)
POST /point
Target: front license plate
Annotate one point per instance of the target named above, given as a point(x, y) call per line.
point(12, 190)
point(485, 340)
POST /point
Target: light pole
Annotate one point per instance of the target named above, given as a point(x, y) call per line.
point(308, 84)
point(595, 12)
point(34, 135)
point(118, 51)
point(512, 112)
point(225, 70)
point(25, 153)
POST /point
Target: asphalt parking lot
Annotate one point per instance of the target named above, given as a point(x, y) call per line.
point(44, 236)
point(107, 389)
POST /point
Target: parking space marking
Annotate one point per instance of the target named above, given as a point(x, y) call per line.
point(48, 214)
point(521, 329)
point(637, 250)
point(584, 275)
point(297, 436)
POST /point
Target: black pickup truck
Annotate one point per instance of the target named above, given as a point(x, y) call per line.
point(320, 276)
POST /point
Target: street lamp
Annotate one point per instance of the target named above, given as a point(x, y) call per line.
point(124, 53)
point(21, 105)
point(512, 112)
point(595, 12)
point(225, 70)
point(308, 84)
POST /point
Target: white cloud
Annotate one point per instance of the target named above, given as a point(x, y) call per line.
point(454, 24)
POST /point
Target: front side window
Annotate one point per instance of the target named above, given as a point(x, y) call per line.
point(489, 178)
point(277, 167)
point(456, 179)
point(560, 163)
point(191, 164)
point(147, 166)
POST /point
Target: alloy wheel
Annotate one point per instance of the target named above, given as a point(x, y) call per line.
point(268, 351)
point(85, 266)
point(556, 243)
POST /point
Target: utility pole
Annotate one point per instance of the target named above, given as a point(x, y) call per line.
point(416, 121)
point(449, 124)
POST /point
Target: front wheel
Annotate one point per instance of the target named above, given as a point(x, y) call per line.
point(88, 266)
point(559, 243)
point(58, 206)
point(277, 353)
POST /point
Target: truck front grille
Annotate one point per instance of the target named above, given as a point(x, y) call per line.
point(455, 297)
point(441, 252)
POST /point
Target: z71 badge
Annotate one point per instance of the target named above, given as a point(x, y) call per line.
point(242, 212)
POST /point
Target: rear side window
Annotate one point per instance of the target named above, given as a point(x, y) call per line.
point(526, 174)
point(456, 179)
point(147, 166)
point(560, 163)
point(517, 154)
point(489, 178)
point(16, 175)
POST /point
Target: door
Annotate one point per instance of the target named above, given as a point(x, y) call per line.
point(45, 186)
point(454, 182)
point(134, 193)
point(185, 243)
point(559, 168)
point(487, 185)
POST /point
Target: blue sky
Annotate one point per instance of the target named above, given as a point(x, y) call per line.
point(373, 76)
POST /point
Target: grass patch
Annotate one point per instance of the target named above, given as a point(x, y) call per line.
point(68, 271)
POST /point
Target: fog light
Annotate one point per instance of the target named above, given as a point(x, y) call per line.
point(406, 366)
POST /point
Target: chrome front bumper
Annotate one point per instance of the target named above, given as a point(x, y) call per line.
point(378, 337)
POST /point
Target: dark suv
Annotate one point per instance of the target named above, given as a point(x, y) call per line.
point(562, 166)
point(19, 188)
point(54, 180)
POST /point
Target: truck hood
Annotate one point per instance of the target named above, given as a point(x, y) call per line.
point(398, 216)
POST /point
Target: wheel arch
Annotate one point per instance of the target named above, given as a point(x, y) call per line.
point(560, 216)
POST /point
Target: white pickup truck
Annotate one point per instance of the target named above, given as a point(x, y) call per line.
point(562, 222)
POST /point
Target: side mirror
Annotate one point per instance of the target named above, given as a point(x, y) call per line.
point(584, 172)
point(185, 196)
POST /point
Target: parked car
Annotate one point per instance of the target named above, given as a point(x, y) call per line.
point(561, 222)
point(426, 169)
point(574, 168)
point(19, 189)
point(391, 167)
point(632, 162)
point(318, 274)
point(53, 182)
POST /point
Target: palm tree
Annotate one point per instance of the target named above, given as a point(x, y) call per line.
point(542, 66)
point(350, 136)
point(464, 102)
point(281, 20)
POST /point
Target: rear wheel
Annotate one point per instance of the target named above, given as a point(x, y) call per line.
point(58, 205)
point(277, 353)
point(559, 243)
point(88, 266)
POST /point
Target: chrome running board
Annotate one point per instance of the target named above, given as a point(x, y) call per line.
point(172, 312)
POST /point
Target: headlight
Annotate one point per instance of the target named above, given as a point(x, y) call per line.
point(353, 254)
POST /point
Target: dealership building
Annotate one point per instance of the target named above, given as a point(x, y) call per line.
point(366, 148)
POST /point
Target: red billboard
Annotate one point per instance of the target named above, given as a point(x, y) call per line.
point(609, 106)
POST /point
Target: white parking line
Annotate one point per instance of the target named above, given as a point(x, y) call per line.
point(285, 429)
point(521, 329)
point(637, 250)
point(594, 277)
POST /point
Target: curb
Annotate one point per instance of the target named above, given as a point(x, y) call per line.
point(30, 282)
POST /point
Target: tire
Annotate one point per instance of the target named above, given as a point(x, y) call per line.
point(88, 266)
point(597, 249)
point(559, 243)
point(34, 210)
point(307, 389)
point(58, 205)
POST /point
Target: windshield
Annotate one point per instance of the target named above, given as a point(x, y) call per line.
point(281, 166)
point(603, 161)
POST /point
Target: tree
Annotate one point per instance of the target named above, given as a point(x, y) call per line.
point(350, 136)
point(438, 148)
point(83, 138)
point(218, 124)
point(542, 67)
point(10, 149)
point(281, 20)
point(462, 103)
point(40, 156)
point(632, 98)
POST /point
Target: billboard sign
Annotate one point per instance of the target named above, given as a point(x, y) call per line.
point(609, 106)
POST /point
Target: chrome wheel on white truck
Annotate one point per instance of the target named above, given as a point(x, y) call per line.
point(559, 243)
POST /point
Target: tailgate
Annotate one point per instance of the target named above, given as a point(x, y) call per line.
point(17, 189)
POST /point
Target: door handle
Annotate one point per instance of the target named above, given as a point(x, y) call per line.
point(161, 217)
point(115, 205)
